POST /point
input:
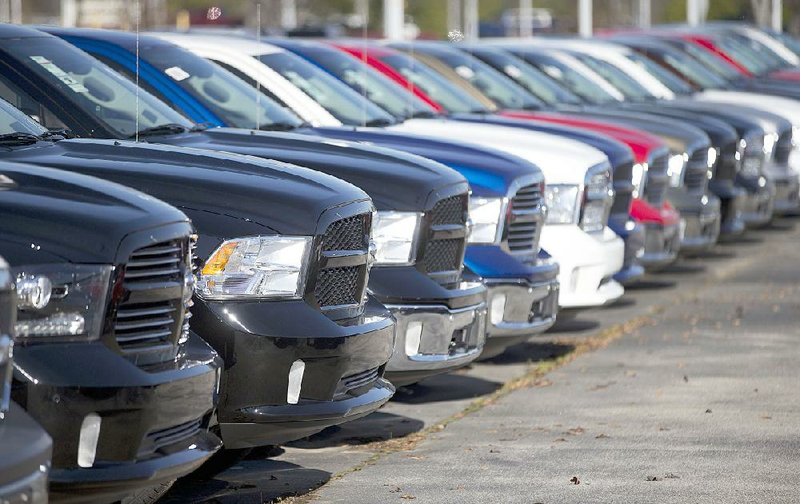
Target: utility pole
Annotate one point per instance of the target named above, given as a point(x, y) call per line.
point(695, 11)
point(471, 20)
point(394, 19)
point(453, 15)
point(777, 15)
point(645, 16)
point(16, 11)
point(585, 18)
point(69, 13)
point(526, 18)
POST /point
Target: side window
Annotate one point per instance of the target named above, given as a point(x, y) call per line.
point(27, 104)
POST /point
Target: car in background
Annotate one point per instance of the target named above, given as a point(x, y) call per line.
point(25, 448)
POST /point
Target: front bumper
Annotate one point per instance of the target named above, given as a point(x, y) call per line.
point(700, 219)
point(731, 218)
point(151, 423)
point(435, 339)
point(787, 192)
point(759, 202)
point(633, 233)
point(290, 371)
point(587, 263)
point(24, 459)
point(662, 243)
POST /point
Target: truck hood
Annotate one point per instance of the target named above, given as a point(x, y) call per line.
point(786, 108)
point(226, 195)
point(617, 152)
point(62, 216)
point(562, 161)
point(490, 172)
point(394, 180)
point(719, 131)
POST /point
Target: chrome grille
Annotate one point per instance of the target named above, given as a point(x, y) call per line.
point(524, 225)
point(443, 254)
point(657, 180)
point(343, 285)
point(162, 438)
point(149, 317)
point(728, 163)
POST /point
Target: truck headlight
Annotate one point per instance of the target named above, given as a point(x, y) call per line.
point(395, 237)
point(561, 201)
point(712, 157)
point(638, 174)
point(256, 267)
point(64, 302)
point(677, 162)
point(486, 216)
point(770, 139)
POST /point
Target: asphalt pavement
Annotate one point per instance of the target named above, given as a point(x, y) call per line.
point(684, 391)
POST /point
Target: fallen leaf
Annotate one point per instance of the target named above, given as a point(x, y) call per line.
point(494, 451)
point(560, 440)
point(766, 417)
point(575, 480)
point(671, 476)
point(708, 410)
point(653, 478)
point(394, 489)
point(602, 436)
point(576, 431)
point(407, 497)
point(686, 378)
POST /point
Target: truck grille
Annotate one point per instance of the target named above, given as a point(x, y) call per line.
point(524, 220)
point(695, 178)
point(443, 258)
point(783, 148)
point(152, 311)
point(344, 285)
point(728, 164)
point(623, 190)
point(657, 180)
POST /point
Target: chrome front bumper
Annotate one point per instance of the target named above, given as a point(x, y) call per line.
point(521, 308)
point(758, 207)
point(31, 489)
point(661, 245)
point(436, 338)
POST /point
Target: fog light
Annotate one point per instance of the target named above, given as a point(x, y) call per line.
point(413, 338)
point(573, 279)
point(498, 313)
point(87, 444)
point(295, 381)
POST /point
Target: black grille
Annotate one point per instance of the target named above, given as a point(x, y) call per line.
point(449, 211)
point(523, 234)
point(146, 318)
point(728, 164)
point(623, 175)
point(338, 286)
point(156, 440)
point(655, 185)
point(157, 263)
point(443, 255)
point(346, 234)
point(783, 148)
point(695, 177)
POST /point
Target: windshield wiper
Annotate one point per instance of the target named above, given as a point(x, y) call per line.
point(278, 126)
point(162, 129)
point(57, 134)
point(18, 138)
point(422, 114)
point(378, 123)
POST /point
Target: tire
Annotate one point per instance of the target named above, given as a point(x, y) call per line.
point(148, 495)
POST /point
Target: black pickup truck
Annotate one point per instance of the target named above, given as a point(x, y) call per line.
point(103, 359)
point(25, 448)
point(283, 260)
point(420, 228)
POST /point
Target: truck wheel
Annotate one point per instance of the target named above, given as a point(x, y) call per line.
point(148, 495)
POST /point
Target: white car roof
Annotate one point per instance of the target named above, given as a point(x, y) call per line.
point(241, 45)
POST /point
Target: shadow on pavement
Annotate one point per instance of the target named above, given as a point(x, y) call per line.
point(684, 268)
point(623, 302)
point(652, 284)
point(716, 254)
point(253, 480)
point(532, 352)
point(446, 387)
point(571, 324)
point(749, 238)
point(378, 426)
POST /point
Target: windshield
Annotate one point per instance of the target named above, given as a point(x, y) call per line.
point(15, 121)
point(526, 76)
point(446, 94)
point(742, 55)
point(787, 40)
point(342, 102)
point(504, 92)
point(692, 70)
point(231, 99)
point(370, 83)
point(564, 74)
point(619, 79)
point(92, 87)
point(711, 61)
point(663, 75)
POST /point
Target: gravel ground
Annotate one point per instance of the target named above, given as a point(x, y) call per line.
point(685, 391)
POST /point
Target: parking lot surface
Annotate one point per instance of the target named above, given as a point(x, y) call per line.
point(685, 391)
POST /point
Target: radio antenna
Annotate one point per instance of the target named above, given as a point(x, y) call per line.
point(138, 15)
